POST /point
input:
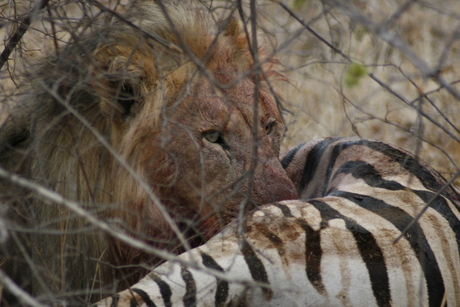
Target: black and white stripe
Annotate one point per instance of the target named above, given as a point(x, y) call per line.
point(336, 246)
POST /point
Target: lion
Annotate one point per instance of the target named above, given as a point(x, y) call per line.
point(162, 109)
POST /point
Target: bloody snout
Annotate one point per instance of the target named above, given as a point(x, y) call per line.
point(271, 184)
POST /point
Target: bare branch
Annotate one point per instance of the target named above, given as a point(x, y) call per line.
point(394, 40)
point(17, 36)
point(24, 297)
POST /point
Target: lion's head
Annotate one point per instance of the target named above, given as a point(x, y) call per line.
point(163, 96)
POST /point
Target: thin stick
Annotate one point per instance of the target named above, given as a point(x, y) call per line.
point(22, 295)
point(21, 30)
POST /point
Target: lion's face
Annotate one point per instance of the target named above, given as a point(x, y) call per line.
point(212, 139)
point(198, 139)
point(203, 161)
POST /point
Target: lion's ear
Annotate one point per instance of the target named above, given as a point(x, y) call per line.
point(117, 76)
point(231, 27)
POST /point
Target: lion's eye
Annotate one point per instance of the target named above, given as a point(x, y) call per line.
point(213, 136)
point(269, 127)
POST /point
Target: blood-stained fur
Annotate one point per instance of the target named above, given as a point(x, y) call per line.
point(137, 100)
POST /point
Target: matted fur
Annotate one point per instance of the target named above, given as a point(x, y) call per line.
point(158, 94)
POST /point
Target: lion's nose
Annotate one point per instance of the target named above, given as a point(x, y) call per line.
point(271, 184)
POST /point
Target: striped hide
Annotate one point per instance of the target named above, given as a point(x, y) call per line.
point(335, 247)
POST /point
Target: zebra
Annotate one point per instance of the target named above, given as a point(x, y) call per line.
point(374, 226)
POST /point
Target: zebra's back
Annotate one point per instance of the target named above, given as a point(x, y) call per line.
point(335, 247)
